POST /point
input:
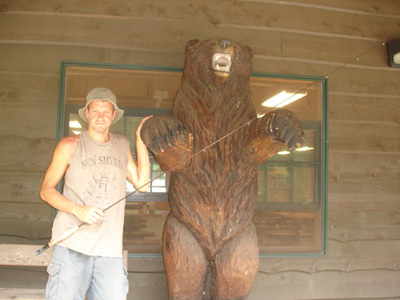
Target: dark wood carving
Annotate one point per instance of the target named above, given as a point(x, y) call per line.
point(213, 193)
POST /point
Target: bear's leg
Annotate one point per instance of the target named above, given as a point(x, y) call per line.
point(235, 267)
point(184, 262)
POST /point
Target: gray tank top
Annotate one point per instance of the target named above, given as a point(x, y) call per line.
point(96, 176)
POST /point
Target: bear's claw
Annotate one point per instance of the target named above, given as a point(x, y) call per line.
point(284, 127)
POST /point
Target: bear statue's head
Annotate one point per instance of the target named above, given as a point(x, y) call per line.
point(217, 62)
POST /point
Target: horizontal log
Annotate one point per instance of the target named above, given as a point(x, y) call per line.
point(354, 81)
point(25, 220)
point(19, 90)
point(27, 231)
point(327, 285)
point(17, 186)
point(14, 254)
point(18, 62)
point(41, 210)
point(364, 136)
point(351, 256)
point(367, 7)
point(364, 108)
point(378, 189)
point(364, 225)
point(340, 201)
point(359, 53)
point(363, 163)
point(25, 154)
point(35, 122)
point(364, 81)
point(369, 174)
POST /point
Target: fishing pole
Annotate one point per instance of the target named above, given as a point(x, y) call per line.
point(74, 229)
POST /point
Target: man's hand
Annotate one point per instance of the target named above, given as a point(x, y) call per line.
point(139, 128)
point(88, 214)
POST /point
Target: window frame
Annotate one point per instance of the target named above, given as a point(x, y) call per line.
point(140, 112)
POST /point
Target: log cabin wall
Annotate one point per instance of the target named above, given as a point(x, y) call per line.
point(301, 37)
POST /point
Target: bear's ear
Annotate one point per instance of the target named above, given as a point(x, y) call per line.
point(190, 45)
point(249, 50)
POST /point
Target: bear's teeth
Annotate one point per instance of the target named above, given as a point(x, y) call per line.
point(221, 62)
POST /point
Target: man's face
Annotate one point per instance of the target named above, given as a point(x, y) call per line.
point(100, 114)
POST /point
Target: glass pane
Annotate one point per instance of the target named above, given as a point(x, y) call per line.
point(261, 183)
point(304, 185)
point(308, 151)
point(278, 185)
point(130, 125)
point(284, 155)
point(76, 125)
point(159, 179)
point(143, 226)
point(284, 231)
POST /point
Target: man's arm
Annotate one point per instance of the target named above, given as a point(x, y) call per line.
point(61, 158)
point(139, 174)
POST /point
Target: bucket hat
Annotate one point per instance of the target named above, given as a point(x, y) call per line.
point(101, 93)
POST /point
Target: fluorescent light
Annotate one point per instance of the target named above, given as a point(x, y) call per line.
point(282, 99)
point(305, 148)
point(76, 132)
point(284, 152)
point(74, 124)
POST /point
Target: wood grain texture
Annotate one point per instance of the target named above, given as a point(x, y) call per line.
point(14, 254)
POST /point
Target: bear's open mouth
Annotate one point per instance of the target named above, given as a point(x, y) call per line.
point(221, 62)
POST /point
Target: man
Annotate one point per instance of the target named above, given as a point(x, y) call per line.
point(95, 166)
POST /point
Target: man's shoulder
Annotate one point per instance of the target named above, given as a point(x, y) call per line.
point(69, 142)
point(73, 139)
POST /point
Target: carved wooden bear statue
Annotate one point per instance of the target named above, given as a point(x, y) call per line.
point(213, 193)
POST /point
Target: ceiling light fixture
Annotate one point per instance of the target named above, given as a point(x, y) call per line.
point(305, 148)
point(284, 152)
point(283, 99)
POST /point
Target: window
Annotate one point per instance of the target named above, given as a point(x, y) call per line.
point(290, 216)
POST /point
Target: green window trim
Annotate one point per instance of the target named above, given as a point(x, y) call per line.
point(322, 164)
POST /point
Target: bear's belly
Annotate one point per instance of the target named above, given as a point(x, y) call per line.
point(214, 204)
